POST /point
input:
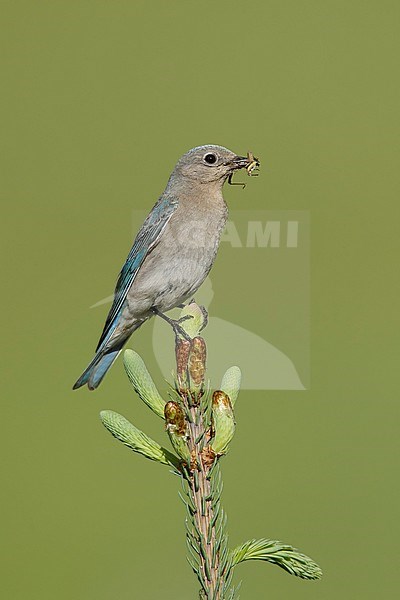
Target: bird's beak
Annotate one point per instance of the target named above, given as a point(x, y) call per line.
point(248, 162)
point(239, 162)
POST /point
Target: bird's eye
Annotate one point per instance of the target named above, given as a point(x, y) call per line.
point(210, 159)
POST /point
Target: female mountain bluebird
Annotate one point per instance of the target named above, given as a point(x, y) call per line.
point(173, 251)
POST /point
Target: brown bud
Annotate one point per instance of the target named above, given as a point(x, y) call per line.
point(193, 460)
point(182, 349)
point(208, 457)
point(175, 424)
point(223, 422)
point(174, 415)
point(220, 398)
point(197, 361)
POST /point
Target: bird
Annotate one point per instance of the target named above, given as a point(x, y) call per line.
point(173, 251)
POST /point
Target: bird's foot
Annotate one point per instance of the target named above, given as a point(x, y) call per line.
point(202, 308)
point(175, 324)
point(178, 330)
point(184, 318)
point(205, 316)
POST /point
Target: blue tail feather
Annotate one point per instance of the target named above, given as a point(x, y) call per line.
point(96, 370)
point(101, 369)
point(94, 373)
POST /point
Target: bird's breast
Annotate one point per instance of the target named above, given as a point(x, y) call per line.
point(181, 260)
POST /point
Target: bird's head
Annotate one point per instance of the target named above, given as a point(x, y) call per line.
point(210, 163)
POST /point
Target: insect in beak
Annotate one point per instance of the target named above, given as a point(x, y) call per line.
point(252, 164)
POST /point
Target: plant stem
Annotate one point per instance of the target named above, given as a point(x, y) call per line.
point(206, 536)
point(200, 489)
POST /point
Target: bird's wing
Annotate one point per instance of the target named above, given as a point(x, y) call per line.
point(145, 241)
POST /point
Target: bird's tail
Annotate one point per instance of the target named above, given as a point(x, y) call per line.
point(94, 373)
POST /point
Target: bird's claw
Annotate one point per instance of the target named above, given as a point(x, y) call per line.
point(184, 318)
point(179, 331)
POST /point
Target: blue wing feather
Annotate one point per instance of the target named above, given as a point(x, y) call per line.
point(146, 239)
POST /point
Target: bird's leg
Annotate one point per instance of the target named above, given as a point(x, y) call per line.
point(175, 324)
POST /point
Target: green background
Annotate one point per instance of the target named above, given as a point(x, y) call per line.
point(101, 98)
